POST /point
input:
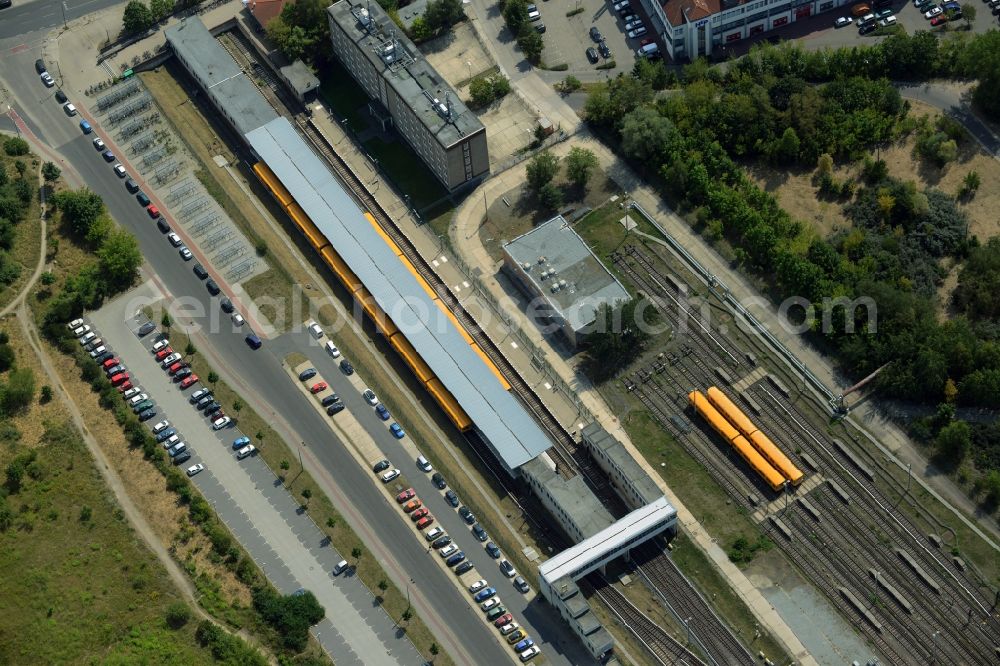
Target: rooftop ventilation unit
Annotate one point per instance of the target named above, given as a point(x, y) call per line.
point(541, 260)
point(555, 287)
point(526, 266)
point(562, 284)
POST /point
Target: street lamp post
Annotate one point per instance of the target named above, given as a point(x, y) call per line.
point(65, 25)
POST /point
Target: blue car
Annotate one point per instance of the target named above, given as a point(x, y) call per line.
point(484, 594)
point(85, 126)
point(240, 442)
point(308, 373)
point(524, 645)
point(382, 412)
point(166, 434)
point(455, 559)
point(397, 431)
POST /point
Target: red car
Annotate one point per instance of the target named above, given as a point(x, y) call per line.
point(424, 522)
point(419, 513)
point(405, 495)
point(163, 353)
point(412, 505)
point(187, 381)
point(119, 378)
point(938, 20)
point(177, 366)
point(110, 363)
point(503, 619)
point(153, 211)
point(317, 387)
point(125, 386)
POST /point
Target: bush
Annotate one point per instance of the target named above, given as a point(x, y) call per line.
point(290, 616)
point(50, 172)
point(15, 146)
point(178, 614)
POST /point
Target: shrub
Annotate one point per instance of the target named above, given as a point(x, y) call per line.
point(178, 614)
point(15, 146)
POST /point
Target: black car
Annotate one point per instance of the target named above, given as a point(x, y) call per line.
point(455, 559)
point(604, 50)
point(307, 374)
point(104, 357)
point(212, 288)
point(146, 329)
point(131, 185)
point(595, 34)
point(329, 400)
point(346, 367)
point(493, 550)
point(210, 412)
point(148, 414)
point(226, 305)
point(467, 515)
point(39, 65)
point(165, 435)
point(200, 271)
point(592, 55)
point(438, 480)
point(540, 27)
point(442, 542)
point(866, 28)
point(209, 407)
point(380, 466)
point(480, 533)
point(162, 225)
point(183, 457)
point(61, 97)
point(464, 567)
point(451, 497)
point(181, 374)
point(335, 408)
point(142, 199)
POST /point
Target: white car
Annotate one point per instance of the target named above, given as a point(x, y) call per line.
point(185, 253)
point(247, 450)
point(478, 585)
point(174, 239)
point(194, 469)
point(842, 21)
point(507, 568)
point(448, 550)
point(331, 349)
point(170, 360)
point(533, 14)
point(433, 533)
point(509, 628)
point(866, 19)
point(136, 399)
point(81, 330)
point(490, 603)
point(390, 475)
point(237, 319)
point(97, 352)
point(632, 25)
point(933, 12)
point(86, 338)
point(160, 345)
point(315, 330)
point(638, 32)
point(622, 6)
point(120, 170)
point(48, 80)
point(161, 426)
point(529, 654)
point(69, 109)
point(221, 423)
point(99, 144)
point(76, 323)
point(370, 397)
point(131, 392)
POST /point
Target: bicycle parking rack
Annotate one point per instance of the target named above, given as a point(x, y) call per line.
point(132, 109)
point(144, 142)
point(227, 255)
point(167, 172)
point(154, 157)
point(198, 204)
point(115, 96)
point(241, 269)
point(215, 240)
point(180, 191)
point(204, 224)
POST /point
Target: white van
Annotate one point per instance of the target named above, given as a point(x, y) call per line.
point(315, 330)
point(887, 21)
point(423, 464)
point(340, 567)
point(648, 50)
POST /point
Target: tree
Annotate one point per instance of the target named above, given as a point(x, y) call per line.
point(307, 494)
point(136, 18)
point(481, 91)
point(302, 30)
point(442, 14)
point(950, 391)
point(407, 614)
point(189, 349)
point(617, 336)
point(178, 614)
point(383, 585)
point(165, 321)
point(569, 84)
point(50, 172)
point(292, 40)
point(530, 42)
point(214, 377)
point(970, 184)
point(550, 196)
point(86, 513)
point(284, 465)
point(515, 15)
point(541, 169)
point(953, 442)
point(120, 259)
point(15, 146)
point(19, 391)
point(434, 649)
point(968, 14)
point(579, 164)
point(160, 9)
point(646, 134)
point(46, 394)
point(6, 357)
point(290, 616)
point(786, 150)
point(356, 554)
point(80, 209)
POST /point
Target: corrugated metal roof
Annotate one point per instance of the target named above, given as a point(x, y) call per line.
point(497, 414)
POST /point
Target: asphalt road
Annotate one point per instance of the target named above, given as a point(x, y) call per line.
point(261, 372)
point(26, 17)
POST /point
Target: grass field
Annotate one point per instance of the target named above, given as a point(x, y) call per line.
point(24, 251)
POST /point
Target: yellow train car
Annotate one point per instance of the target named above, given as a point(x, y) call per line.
point(411, 357)
point(759, 464)
point(306, 226)
point(730, 411)
point(272, 183)
point(774, 455)
point(382, 321)
point(449, 404)
point(712, 415)
point(340, 269)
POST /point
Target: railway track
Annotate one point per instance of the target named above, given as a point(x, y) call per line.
point(658, 643)
point(715, 638)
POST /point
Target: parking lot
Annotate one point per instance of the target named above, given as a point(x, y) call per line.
point(252, 502)
point(567, 38)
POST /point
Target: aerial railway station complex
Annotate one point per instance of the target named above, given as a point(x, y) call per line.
point(443, 356)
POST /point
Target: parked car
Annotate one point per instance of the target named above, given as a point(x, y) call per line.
point(200, 271)
point(397, 431)
point(98, 143)
point(592, 55)
point(638, 32)
point(331, 349)
point(493, 550)
point(188, 381)
point(318, 387)
point(370, 397)
point(329, 400)
point(221, 423)
point(381, 465)
point(478, 585)
point(412, 505)
point(434, 533)
point(185, 253)
point(141, 197)
point(480, 533)
point(443, 543)
point(447, 550)
point(451, 498)
point(529, 654)
point(522, 585)
point(406, 495)
point(213, 288)
point(335, 408)
point(595, 34)
point(419, 513)
point(455, 559)
point(164, 435)
point(467, 515)
point(307, 374)
point(423, 464)
point(603, 49)
point(240, 442)
point(533, 13)
point(120, 171)
point(485, 594)
point(467, 565)
point(245, 451)
point(438, 480)
point(194, 469)
point(390, 475)
point(503, 620)
point(842, 21)
point(48, 80)
point(146, 329)
point(507, 569)
point(509, 628)
point(346, 367)
point(424, 522)
point(490, 603)
point(146, 415)
point(382, 412)
point(315, 330)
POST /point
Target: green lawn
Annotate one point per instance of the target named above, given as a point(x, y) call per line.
point(407, 171)
point(78, 586)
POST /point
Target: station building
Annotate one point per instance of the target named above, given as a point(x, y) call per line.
point(564, 279)
point(408, 94)
point(627, 477)
point(692, 28)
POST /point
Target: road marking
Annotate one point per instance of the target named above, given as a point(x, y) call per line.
point(19, 48)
